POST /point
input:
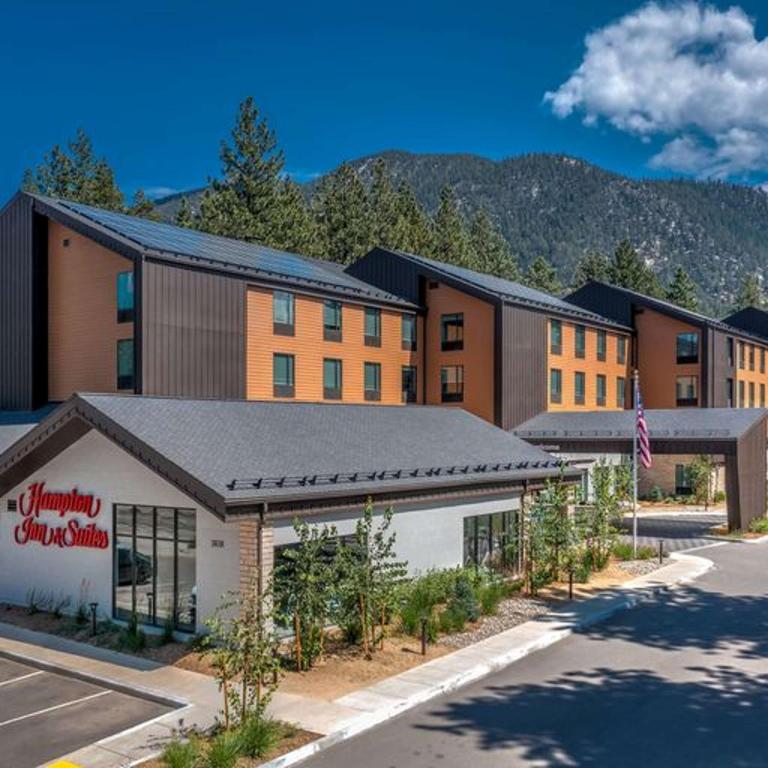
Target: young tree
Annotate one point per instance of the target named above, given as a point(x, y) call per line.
point(597, 518)
point(750, 293)
point(492, 252)
point(700, 472)
point(682, 290)
point(542, 276)
point(629, 270)
point(452, 241)
point(592, 266)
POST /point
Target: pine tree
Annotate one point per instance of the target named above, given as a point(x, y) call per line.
point(185, 217)
point(593, 265)
point(452, 241)
point(246, 203)
point(751, 293)
point(295, 229)
point(383, 206)
point(629, 270)
point(413, 232)
point(492, 252)
point(682, 290)
point(142, 206)
point(543, 276)
point(343, 214)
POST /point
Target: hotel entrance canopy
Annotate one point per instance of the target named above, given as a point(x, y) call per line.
point(738, 434)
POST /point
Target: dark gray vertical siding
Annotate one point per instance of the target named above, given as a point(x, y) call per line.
point(390, 273)
point(522, 357)
point(745, 479)
point(22, 307)
point(193, 333)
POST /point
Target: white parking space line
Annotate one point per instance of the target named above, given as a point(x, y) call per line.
point(21, 677)
point(54, 708)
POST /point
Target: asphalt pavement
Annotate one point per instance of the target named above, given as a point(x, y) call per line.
point(681, 680)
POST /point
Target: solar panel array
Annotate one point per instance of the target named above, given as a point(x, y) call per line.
point(178, 241)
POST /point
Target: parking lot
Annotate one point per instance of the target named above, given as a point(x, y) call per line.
point(678, 531)
point(44, 715)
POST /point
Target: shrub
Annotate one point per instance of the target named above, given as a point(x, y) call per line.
point(582, 568)
point(258, 736)
point(759, 525)
point(181, 754)
point(452, 619)
point(718, 497)
point(132, 638)
point(463, 599)
point(490, 595)
point(656, 495)
point(223, 750)
point(622, 550)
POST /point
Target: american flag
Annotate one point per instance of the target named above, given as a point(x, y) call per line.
point(643, 441)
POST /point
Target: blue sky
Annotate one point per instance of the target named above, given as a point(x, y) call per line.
point(156, 85)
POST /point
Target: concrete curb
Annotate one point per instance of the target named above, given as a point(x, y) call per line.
point(634, 592)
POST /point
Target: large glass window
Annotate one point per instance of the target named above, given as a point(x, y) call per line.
point(555, 337)
point(154, 573)
point(581, 340)
point(579, 386)
point(283, 313)
point(372, 327)
point(283, 382)
point(452, 383)
point(492, 541)
point(687, 390)
point(332, 379)
point(687, 348)
point(683, 485)
point(409, 384)
point(372, 380)
point(601, 386)
point(125, 369)
point(556, 385)
point(125, 297)
point(409, 332)
point(332, 320)
point(452, 331)
point(601, 345)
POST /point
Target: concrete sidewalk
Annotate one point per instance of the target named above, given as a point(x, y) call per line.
point(200, 701)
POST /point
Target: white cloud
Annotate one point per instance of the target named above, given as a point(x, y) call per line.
point(693, 74)
point(155, 192)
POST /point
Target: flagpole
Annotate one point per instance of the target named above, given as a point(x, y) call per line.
point(635, 386)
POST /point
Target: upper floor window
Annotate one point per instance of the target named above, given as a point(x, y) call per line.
point(332, 379)
point(621, 392)
point(621, 349)
point(125, 369)
point(452, 383)
point(372, 380)
point(687, 348)
point(452, 331)
point(687, 390)
point(742, 397)
point(751, 394)
point(332, 320)
point(579, 385)
point(729, 345)
point(751, 357)
point(409, 332)
point(581, 340)
point(283, 381)
point(762, 395)
point(762, 359)
point(125, 297)
point(372, 327)
point(601, 385)
point(601, 337)
point(283, 313)
point(555, 337)
point(409, 383)
point(556, 385)
point(742, 354)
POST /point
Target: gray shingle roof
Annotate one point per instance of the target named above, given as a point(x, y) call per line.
point(510, 291)
point(171, 241)
point(715, 423)
point(230, 446)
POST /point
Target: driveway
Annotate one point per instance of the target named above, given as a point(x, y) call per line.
point(679, 530)
point(679, 680)
point(44, 715)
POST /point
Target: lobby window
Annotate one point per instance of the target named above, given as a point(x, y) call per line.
point(729, 345)
point(729, 393)
point(601, 342)
point(332, 320)
point(581, 340)
point(555, 337)
point(492, 541)
point(452, 383)
point(372, 381)
point(125, 371)
point(283, 382)
point(683, 480)
point(579, 385)
point(600, 389)
point(409, 383)
point(125, 297)
point(687, 348)
point(452, 332)
point(332, 379)
point(742, 396)
point(409, 332)
point(742, 355)
point(687, 391)
point(621, 349)
point(621, 392)
point(372, 327)
point(556, 385)
point(751, 394)
point(751, 357)
point(154, 566)
point(283, 313)
point(762, 395)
